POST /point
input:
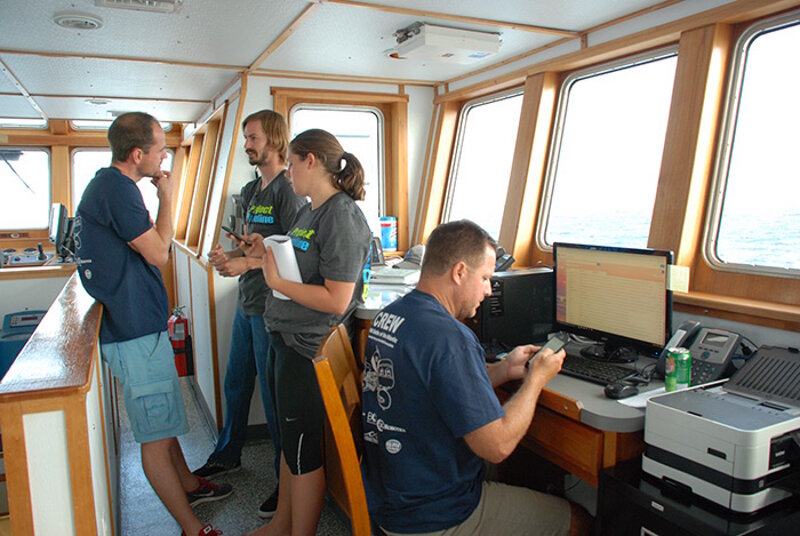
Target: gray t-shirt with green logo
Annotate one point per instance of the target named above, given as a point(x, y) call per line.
point(330, 242)
point(269, 211)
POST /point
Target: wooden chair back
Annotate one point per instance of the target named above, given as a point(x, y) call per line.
point(340, 384)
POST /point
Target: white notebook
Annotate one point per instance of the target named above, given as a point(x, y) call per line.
point(285, 259)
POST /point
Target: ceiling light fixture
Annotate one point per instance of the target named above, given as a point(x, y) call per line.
point(77, 21)
point(431, 43)
point(156, 6)
point(96, 101)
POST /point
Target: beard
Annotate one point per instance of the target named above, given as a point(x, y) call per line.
point(255, 158)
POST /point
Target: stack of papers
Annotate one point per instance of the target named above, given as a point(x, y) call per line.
point(395, 276)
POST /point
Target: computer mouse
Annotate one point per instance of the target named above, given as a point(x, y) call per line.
point(620, 390)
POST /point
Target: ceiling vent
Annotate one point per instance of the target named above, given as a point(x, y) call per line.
point(155, 6)
point(427, 42)
point(77, 21)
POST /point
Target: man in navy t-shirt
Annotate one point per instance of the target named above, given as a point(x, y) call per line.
point(430, 414)
point(118, 250)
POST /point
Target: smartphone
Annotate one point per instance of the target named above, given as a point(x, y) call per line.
point(234, 234)
point(556, 343)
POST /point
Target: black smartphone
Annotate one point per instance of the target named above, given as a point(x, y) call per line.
point(233, 233)
point(556, 343)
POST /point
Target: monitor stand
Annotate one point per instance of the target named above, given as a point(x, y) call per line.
point(606, 352)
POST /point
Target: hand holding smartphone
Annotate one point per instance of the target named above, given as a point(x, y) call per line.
point(556, 343)
point(234, 234)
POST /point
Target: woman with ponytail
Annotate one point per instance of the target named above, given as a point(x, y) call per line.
point(331, 242)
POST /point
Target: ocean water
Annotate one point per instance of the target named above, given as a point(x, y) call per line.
point(770, 239)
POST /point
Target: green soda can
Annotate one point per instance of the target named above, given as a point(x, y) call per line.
point(678, 369)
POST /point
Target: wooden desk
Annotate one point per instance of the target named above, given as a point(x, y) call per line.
point(575, 426)
point(559, 435)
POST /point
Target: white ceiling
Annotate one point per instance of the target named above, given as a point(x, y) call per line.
point(206, 44)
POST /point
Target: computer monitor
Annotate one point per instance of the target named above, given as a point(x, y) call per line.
point(615, 296)
point(60, 230)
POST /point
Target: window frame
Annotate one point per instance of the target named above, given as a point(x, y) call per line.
point(556, 136)
point(382, 211)
point(455, 160)
point(394, 107)
point(719, 178)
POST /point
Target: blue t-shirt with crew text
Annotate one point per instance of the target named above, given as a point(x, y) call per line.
point(425, 386)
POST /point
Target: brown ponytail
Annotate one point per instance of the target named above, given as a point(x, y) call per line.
point(345, 170)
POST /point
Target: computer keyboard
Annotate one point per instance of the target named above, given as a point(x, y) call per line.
point(594, 371)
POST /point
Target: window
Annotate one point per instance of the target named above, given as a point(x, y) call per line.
point(478, 184)
point(606, 155)
point(756, 219)
point(25, 183)
point(359, 130)
point(86, 163)
point(103, 124)
point(15, 122)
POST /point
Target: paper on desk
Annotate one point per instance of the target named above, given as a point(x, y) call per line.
point(283, 251)
point(640, 400)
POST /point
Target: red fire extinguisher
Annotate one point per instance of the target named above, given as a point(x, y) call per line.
point(178, 328)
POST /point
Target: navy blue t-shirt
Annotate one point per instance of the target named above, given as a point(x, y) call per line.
point(425, 387)
point(111, 214)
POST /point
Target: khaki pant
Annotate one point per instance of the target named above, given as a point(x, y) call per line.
point(511, 510)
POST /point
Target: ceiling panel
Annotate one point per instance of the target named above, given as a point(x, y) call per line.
point(577, 15)
point(208, 31)
point(17, 107)
point(363, 53)
point(6, 86)
point(82, 76)
point(76, 108)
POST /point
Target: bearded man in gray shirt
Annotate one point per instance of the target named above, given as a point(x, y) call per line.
point(271, 206)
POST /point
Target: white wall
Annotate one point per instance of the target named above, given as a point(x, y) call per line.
point(29, 294)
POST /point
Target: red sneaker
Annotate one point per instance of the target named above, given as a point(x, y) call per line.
point(208, 530)
point(208, 491)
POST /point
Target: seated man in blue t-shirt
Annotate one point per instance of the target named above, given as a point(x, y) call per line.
point(430, 414)
point(118, 251)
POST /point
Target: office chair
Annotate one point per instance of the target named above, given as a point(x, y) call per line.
point(340, 384)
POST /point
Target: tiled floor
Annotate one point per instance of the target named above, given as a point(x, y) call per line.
point(143, 514)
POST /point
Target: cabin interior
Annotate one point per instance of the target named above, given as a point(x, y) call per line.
point(402, 80)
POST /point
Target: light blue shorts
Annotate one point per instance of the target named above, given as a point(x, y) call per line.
point(146, 369)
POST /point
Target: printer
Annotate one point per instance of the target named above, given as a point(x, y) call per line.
point(736, 442)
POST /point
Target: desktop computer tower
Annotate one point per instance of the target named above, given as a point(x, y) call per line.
point(519, 311)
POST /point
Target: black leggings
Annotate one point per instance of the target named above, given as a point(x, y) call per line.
point(298, 407)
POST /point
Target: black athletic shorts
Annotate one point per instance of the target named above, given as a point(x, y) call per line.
point(298, 407)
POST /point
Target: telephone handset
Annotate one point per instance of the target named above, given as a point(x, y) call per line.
point(682, 337)
point(711, 350)
point(504, 260)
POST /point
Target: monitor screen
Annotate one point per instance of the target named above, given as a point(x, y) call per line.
point(615, 296)
point(59, 228)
